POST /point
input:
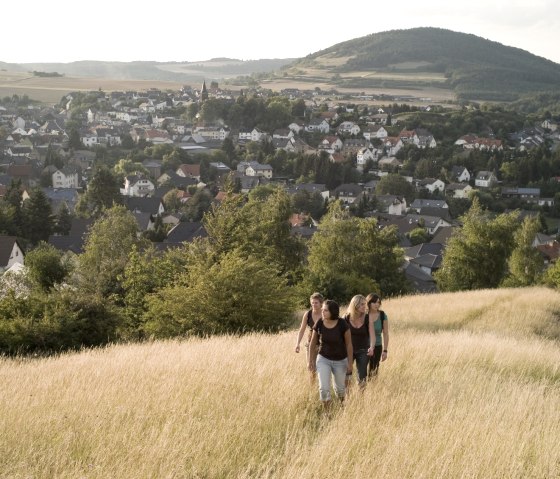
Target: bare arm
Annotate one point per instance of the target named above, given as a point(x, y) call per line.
point(301, 331)
point(313, 351)
point(349, 350)
point(385, 339)
point(371, 331)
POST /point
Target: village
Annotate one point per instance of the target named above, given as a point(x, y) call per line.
point(40, 150)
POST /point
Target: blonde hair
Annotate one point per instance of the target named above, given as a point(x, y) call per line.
point(354, 303)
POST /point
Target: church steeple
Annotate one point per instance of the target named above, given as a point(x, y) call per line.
point(203, 92)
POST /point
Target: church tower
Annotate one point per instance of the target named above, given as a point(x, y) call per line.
point(203, 92)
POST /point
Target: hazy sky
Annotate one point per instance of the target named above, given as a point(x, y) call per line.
point(172, 30)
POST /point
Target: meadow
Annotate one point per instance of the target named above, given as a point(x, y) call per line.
point(471, 389)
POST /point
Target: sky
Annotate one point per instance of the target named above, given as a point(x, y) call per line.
point(64, 31)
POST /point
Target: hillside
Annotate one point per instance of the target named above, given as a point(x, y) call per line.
point(217, 68)
point(471, 389)
point(419, 62)
point(474, 68)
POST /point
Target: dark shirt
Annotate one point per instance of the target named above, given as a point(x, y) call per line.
point(331, 340)
point(360, 336)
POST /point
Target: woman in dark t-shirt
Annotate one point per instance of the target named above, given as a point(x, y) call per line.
point(330, 352)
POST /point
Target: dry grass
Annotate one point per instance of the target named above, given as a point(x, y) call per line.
point(471, 389)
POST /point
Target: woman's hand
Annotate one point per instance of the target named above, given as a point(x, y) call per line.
point(297, 348)
point(370, 352)
point(383, 355)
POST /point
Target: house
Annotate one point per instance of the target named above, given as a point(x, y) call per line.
point(427, 256)
point(67, 177)
point(353, 145)
point(432, 185)
point(348, 128)
point(418, 204)
point(137, 185)
point(366, 154)
point(460, 174)
point(186, 231)
point(348, 193)
point(11, 252)
point(458, 190)
point(318, 125)
point(418, 279)
point(311, 188)
point(374, 131)
point(60, 196)
point(485, 179)
point(144, 204)
point(531, 195)
point(391, 204)
point(255, 135)
point(392, 145)
point(256, 169)
point(331, 144)
point(389, 163)
point(189, 171)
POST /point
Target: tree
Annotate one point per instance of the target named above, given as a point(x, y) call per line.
point(38, 219)
point(525, 264)
point(63, 220)
point(103, 191)
point(349, 255)
point(44, 266)
point(232, 295)
point(106, 250)
point(476, 256)
point(394, 184)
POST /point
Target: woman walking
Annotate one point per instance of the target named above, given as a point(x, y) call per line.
point(363, 337)
point(379, 321)
point(330, 352)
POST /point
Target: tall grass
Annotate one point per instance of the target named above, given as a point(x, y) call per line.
point(471, 389)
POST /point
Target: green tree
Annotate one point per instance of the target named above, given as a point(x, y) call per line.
point(106, 250)
point(348, 255)
point(103, 191)
point(147, 272)
point(63, 220)
point(525, 264)
point(44, 266)
point(476, 255)
point(232, 295)
point(38, 219)
point(395, 185)
point(258, 227)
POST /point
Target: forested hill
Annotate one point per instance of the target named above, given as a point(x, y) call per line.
point(474, 67)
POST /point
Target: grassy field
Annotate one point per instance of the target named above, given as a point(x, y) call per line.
point(51, 89)
point(471, 389)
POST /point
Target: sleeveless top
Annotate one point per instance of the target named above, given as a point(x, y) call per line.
point(378, 327)
point(331, 340)
point(360, 336)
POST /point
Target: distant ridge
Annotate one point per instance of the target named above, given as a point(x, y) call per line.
point(475, 68)
point(471, 67)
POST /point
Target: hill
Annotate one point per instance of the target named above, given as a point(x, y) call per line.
point(418, 62)
point(474, 68)
point(471, 389)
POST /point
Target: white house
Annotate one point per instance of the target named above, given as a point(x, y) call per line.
point(432, 184)
point(348, 128)
point(137, 185)
point(318, 125)
point(459, 190)
point(10, 252)
point(366, 154)
point(67, 177)
point(374, 131)
point(460, 174)
point(485, 179)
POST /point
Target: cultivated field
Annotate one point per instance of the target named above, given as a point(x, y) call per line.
point(471, 389)
point(51, 90)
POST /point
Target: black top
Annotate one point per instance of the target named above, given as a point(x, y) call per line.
point(331, 340)
point(360, 336)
